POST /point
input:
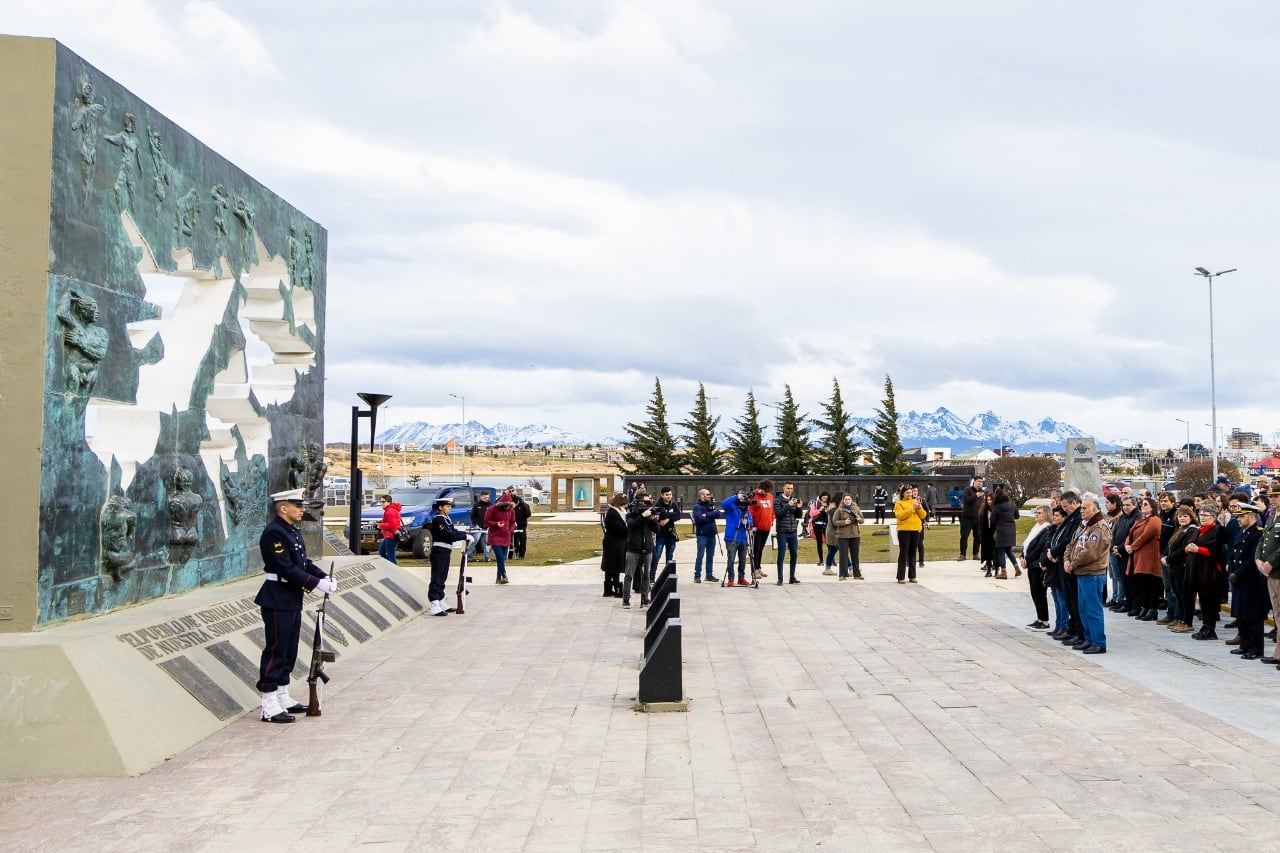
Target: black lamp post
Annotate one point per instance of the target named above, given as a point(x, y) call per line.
point(357, 479)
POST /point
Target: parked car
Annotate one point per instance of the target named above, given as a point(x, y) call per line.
point(417, 508)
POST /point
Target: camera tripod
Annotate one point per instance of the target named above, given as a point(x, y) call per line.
point(726, 579)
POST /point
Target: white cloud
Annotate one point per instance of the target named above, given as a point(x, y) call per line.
point(552, 201)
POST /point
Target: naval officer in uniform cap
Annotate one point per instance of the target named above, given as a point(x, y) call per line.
point(289, 572)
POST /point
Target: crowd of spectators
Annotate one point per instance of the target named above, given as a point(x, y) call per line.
point(1136, 555)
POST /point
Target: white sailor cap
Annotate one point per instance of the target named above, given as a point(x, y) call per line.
point(294, 495)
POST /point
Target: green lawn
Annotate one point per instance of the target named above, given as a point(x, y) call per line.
point(551, 544)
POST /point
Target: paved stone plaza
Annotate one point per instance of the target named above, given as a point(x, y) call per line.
point(841, 715)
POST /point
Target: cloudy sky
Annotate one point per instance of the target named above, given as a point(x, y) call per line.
point(543, 205)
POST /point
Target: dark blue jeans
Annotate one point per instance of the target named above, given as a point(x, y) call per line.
point(1089, 590)
point(387, 550)
point(707, 547)
point(664, 545)
point(788, 542)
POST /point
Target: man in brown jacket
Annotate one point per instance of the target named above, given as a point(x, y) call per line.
point(1086, 558)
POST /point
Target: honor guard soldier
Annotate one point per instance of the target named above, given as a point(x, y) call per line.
point(289, 572)
point(443, 535)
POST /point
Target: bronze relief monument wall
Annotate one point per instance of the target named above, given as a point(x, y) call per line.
point(161, 348)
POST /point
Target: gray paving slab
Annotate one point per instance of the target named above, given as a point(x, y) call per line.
point(847, 716)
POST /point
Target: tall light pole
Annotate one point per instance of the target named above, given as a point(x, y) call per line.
point(1213, 391)
point(373, 401)
point(1187, 448)
point(463, 398)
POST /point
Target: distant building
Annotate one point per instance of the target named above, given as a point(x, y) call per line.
point(1243, 440)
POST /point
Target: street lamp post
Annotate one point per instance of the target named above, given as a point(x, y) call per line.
point(357, 478)
point(1187, 447)
point(1213, 391)
point(463, 398)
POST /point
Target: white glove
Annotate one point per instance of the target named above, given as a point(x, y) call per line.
point(328, 586)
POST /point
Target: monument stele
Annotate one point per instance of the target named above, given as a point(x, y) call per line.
point(161, 373)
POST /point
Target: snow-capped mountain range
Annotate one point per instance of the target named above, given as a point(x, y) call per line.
point(475, 433)
point(939, 428)
point(943, 428)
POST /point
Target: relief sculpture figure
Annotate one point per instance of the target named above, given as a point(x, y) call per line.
point(184, 510)
point(300, 254)
point(188, 213)
point(84, 123)
point(84, 342)
point(161, 174)
point(118, 523)
point(130, 160)
point(233, 496)
point(313, 484)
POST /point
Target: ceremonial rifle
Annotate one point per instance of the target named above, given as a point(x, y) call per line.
point(316, 677)
point(463, 580)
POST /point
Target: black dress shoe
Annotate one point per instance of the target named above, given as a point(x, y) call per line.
point(1081, 646)
point(1204, 634)
point(1096, 650)
point(1056, 635)
point(1231, 624)
point(1237, 651)
point(793, 580)
point(282, 717)
point(1250, 656)
point(1071, 640)
point(296, 708)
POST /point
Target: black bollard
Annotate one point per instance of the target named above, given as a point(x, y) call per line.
point(670, 610)
point(658, 597)
point(660, 677)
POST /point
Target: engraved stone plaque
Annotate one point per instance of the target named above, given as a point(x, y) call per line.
point(1082, 473)
point(201, 686)
point(366, 611)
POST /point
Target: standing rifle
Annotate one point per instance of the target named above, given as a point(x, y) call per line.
point(316, 677)
point(463, 580)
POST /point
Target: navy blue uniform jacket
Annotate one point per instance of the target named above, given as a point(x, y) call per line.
point(285, 555)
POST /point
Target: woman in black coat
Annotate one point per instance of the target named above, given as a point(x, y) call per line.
point(987, 535)
point(613, 559)
point(1204, 570)
point(1004, 523)
point(1175, 559)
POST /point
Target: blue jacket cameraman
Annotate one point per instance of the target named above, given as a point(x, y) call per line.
point(737, 535)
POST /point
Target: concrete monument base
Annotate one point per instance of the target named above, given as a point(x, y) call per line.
point(118, 694)
point(662, 707)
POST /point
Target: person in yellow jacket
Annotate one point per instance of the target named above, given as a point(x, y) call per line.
point(910, 514)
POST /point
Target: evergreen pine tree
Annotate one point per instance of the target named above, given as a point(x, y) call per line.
point(794, 453)
point(649, 448)
point(837, 451)
point(746, 443)
point(703, 456)
point(885, 439)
